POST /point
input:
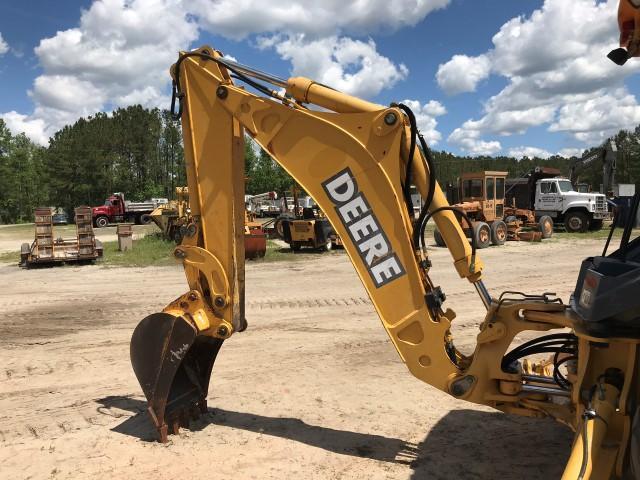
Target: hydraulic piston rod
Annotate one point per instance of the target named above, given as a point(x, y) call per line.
point(252, 72)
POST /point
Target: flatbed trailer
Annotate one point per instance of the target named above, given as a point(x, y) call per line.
point(47, 249)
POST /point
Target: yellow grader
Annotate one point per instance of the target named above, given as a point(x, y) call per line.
point(488, 219)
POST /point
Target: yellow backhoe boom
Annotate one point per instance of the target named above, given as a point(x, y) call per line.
point(357, 160)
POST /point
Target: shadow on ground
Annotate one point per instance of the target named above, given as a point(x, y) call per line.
point(471, 444)
point(464, 444)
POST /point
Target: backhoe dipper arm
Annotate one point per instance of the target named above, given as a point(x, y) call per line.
point(352, 159)
point(351, 162)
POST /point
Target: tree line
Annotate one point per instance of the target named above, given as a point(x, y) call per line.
point(133, 150)
point(139, 152)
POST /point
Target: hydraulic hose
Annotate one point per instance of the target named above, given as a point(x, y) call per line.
point(406, 188)
point(418, 233)
point(428, 215)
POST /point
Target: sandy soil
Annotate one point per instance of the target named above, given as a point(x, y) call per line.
point(13, 236)
point(313, 389)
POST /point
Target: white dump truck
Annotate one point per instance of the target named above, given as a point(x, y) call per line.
point(548, 193)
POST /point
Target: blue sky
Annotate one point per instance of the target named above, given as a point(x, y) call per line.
point(490, 77)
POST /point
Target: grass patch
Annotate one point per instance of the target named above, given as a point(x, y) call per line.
point(154, 250)
point(151, 250)
point(17, 228)
point(10, 257)
point(599, 235)
point(276, 253)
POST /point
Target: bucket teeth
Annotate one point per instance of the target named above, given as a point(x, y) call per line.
point(163, 432)
point(181, 419)
point(173, 365)
point(175, 427)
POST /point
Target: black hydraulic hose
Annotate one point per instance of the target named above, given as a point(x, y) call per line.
point(552, 346)
point(406, 188)
point(557, 374)
point(528, 350)
point(508, 360)
point(616, 216)
point(418, 233)
point(556, 341)
point(179, 95)
point(545, 338)
point(463, 215)
point(631, 220)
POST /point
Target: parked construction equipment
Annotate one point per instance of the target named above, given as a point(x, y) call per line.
point(117, 209)
point(255, 238)
point(306, 226)
point(48, 249)
point(546, 192)
point(358, 160)
point(262, 204)
point(172, 219)
point(606, 155)
point(172, 216)
point(488, 219)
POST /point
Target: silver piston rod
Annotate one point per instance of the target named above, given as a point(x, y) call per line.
point(484, 294)
point(252, 72)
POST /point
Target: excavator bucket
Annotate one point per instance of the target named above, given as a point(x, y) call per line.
point(173, 365)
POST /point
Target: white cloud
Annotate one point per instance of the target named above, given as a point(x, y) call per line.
point(530, 152)
point(557, 72)
point(463, 73)
point(33, 128)
point(351, 66)
point(426, 118)
point(507, 122)
point(240, 19)
point(593, 120)
point(470, 142)
point(4, 46)
point(118, 55)
point(68, 93)
point(571, 152)
point(557, 33)
point(120, 52)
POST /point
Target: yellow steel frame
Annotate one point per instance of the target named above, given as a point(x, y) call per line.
point(372, 142)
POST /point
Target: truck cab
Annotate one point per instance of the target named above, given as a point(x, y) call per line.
point(557, 198)
point(116, 209)
point(113, 210)
point(486, 190)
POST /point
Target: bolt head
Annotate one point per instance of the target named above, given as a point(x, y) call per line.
point(457, 390)
point(222, 92)
point(192, 297)
point(390, 118)
point(219, 302)
point(223, 331)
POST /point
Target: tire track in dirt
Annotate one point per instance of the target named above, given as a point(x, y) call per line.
point(314, 302)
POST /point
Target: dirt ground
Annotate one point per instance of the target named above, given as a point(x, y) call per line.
point(313, 389)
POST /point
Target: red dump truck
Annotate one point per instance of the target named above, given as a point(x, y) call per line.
point(117, 209)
